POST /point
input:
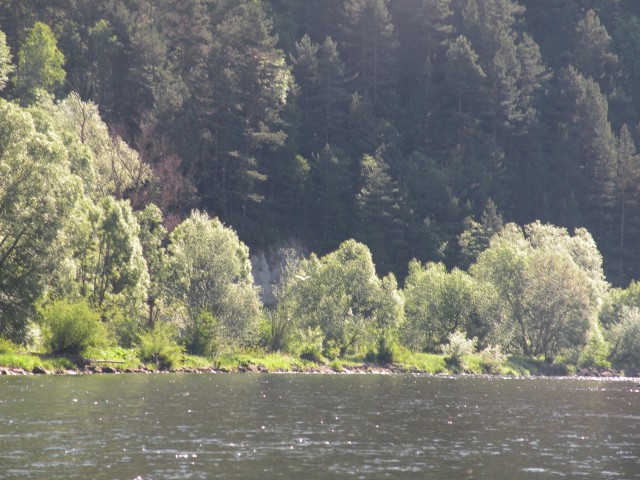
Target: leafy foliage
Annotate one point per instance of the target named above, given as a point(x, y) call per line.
point(37, 195)
point(7, 346)
point(341, 295)
point(200, 335)
point(110, 269)
point(391, 122)
point(457, 347)
point(6, 67)
point(209, 270)
point(157, 345)
point(71, 327)
point(492, 359)
point(438, 303)
point(625, 336)
point(548, 286)
point(40, 63)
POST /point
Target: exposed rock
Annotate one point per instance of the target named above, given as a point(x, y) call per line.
point(38, 370)
point(136, 370)
point(266, 266)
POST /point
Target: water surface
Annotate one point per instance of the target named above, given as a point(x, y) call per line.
point(247, 426)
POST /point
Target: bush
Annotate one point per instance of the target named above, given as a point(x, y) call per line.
point(596, 352)
point(384, 353)
point(275, 331)
point(341, 294)
point(199, 336)
point(123, 329)
point(336, 365)
point(71, 327)
point(7, 346)
point(492, 359)
point(310, 344)
point(625, 338)
point(438, 302)
point(158, 346)
point(458, 347)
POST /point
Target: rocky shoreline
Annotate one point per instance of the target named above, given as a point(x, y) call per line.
point(316, 369)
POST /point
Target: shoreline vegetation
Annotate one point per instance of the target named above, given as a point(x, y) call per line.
point(385, 250)
point(416, 364)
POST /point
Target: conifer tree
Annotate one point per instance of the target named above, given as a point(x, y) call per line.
point(379, 212)
point(593, 55)
point(626, 183)
point(370, 49)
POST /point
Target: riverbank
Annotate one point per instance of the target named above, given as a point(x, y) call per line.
point(421, 364)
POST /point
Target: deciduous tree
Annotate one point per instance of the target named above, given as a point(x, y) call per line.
point(209, 271)
point(40, 63)
point(37, 196)
point(547, 285)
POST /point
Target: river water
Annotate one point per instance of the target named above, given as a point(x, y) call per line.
point(260, 426)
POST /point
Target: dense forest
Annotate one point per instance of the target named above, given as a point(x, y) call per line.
point(145, 143)
point(393, 122)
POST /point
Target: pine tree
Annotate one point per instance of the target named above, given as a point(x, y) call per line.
point(323, 96)
point(370, 50)
point(379, 213)
point(626, 183)
point(331, 191)
point(250, 82)
point(594, 147)
point(593, 55)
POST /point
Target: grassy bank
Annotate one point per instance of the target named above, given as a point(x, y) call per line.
point(124, 360)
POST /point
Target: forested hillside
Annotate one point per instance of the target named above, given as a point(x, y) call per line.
point(394, 122)
point(456, 176)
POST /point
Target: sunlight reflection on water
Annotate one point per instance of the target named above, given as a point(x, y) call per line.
point(316, 426)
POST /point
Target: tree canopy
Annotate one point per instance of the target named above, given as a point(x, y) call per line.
point(145, 146)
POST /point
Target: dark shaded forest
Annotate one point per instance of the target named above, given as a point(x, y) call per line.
point(399, 123)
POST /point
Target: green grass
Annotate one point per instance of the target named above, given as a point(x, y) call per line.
point(336, 365)
point(519, 366)
point(12, 357)
point(272, 362)
point(122, 358)
point(196, 361)
point(472, 364)
point(29, 361)
point(424, 362)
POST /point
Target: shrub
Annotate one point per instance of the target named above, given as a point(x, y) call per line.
point(199, 336)
point(275, 331)
point(7, 346)
point(208, 268)
point(158, 346)
point(438, 302)
point(625, 338)
point(492, 359)
point(385, 351)
point(341, 294)
point(458, 347)
point(596, 352)
point(310, 344)
point(123, 329)
point(336, 365)
point(71, 327)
